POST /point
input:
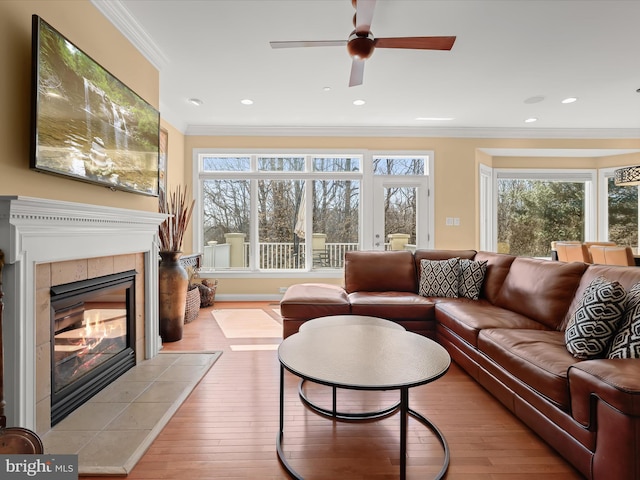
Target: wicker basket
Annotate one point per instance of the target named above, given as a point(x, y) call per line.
point(207, 292)
point(193, 305)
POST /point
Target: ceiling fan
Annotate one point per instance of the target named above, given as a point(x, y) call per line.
point(361, 43)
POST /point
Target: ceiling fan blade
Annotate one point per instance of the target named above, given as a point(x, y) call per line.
point(310, 43)
point(357, 73)
point(364, 15)
point(423, 43)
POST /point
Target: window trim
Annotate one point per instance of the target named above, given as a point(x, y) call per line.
point(603, 203)
point(486, 217)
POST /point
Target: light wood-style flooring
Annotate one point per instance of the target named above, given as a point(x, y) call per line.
point(227, 428)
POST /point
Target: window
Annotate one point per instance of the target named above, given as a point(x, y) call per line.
point(300, 212)
point(280, 163)
point(278, 211)
point(620, 211)
point(535, 208)
point(226, 208)
point(336, 211)
point(212, 163)
point(396, 165)
point(278, 202)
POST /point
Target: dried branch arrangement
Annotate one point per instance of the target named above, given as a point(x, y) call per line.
point(171, 231)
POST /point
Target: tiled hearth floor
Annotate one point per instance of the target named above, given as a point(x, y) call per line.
point(113, 429)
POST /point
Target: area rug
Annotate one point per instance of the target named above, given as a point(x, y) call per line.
point(253, 347)
point(247, 323)
point(112, 431)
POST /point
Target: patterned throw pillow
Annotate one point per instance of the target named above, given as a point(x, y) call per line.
point(595, 321)
point(626, 343)
point(439, 278)
point(471, 278)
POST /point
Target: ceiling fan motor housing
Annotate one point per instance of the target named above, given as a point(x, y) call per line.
point(360, 46)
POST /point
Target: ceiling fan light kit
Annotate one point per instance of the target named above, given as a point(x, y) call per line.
point(360, 47)
point(361, 43)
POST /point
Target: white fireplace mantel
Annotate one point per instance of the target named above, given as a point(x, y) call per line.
point(34, 230)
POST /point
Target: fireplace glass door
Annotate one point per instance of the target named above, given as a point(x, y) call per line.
point(92, 338)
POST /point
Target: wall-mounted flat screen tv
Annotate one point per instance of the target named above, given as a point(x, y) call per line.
point(86, 124)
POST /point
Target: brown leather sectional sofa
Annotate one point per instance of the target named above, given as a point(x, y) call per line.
point(511, 341)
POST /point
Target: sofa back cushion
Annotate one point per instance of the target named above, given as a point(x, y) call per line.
point(378, 271)
point(541, 289)
point(498, 265)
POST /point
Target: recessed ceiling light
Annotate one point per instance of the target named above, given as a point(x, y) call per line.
point(535, 99)
point(246, 101)
point(195, 101)
point(358, 103)
point(326, 89)
point(531, 120)
point(435, 119)
point(570, 100)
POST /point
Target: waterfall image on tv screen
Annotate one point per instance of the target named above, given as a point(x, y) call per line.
point(86, 123)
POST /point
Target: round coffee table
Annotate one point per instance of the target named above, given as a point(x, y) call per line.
point(337, 321)
point(364, 356)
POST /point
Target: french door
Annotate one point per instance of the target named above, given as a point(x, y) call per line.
point(402, 217)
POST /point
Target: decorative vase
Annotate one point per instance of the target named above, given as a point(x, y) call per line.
point(173, 283)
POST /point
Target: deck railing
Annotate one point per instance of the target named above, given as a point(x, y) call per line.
point(278, 256)
point(290, 256)
point(282, 256)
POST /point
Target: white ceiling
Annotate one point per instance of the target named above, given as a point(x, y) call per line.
point(506, 53)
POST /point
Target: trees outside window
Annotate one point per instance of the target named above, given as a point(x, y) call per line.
point(261, 200)
point(533, 212)
point(336, 206)
point(400, 202)
point(226, 208)
point(622, 214)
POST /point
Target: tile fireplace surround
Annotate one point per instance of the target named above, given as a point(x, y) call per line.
point(47, 242)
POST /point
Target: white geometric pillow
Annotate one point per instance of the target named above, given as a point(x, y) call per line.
point(439, 278)
point(471, 277)
point(626, 343)
point(595, 321)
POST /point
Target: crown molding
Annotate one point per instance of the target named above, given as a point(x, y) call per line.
point(122, 19)
point(399, 131)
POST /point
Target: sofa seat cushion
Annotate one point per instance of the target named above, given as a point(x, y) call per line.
point(538, 358)
point(466, 318)
point(392, 305)
point(304, 301)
